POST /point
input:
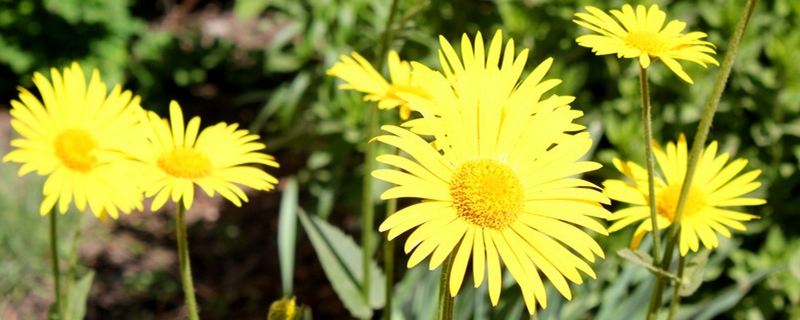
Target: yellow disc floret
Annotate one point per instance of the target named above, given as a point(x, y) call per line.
point(646, 41)
point(74, 148)
point(183, 162)
point(667, 202)
point(487, 193)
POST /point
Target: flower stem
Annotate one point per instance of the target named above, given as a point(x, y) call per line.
point(446, 301)
point(700, 139)
point(676, 294)
point(388, 263)
point(647, 123)
point(54, 257)
point(183, 258)
point(367, 204)
point(73, 258)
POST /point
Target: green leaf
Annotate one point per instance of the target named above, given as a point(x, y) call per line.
point(249, 9)
point(643, 259)
point(78, 296)
point(693, 273)
point(341, 259)
point(287, 234)
point(794, 265)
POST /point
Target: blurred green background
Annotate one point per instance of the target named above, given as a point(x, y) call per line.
point(262, 63)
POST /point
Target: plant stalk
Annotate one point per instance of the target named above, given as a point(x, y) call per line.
point(183, 258)
point(701, 136)
point(676, 294)
point(647, 123)
point(446, 301)
point(388, 263)
point(367, 204)
point(73, 258)
point(54, 257)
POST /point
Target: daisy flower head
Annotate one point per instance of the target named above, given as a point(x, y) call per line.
point(173, 159)
point(72, 135)
point(643, 36)
point(497, 185)
point(359, 75)
point(713, 188)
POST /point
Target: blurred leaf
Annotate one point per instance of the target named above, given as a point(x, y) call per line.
point(794, 264)
point(693, 273)
point(287, 234)
point(78, 296)
point(727, 298)
point(249, 9)
point(341, 259)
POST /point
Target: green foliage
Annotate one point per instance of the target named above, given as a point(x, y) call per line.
point(287, 234)
point(341, 259)
point(268, 72)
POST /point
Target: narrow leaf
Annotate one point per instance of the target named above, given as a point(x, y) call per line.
point(78, 296)
point(287, 234)
point(693, 274)
point(341, 259)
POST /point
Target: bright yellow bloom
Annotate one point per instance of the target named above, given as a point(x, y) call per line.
point(641, 37)
point(74, 139)
point(284, 309)
point(713, 186)
point(172, 160)
point(361, 76)
point(496, 187)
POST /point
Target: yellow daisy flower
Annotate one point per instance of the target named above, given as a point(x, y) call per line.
point(713, 187)
point(361, 76)
point(73, 136)
point(496, 187)
point(641, 37)
point(173, 160)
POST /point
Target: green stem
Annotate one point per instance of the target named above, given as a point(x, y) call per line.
point(388, 263)
point(676, 294)
point(702, 135)
point(73, 258)
point(446, 301)
point(367, 205)
point(647, 123)
point(183, 259)
point(54, 257)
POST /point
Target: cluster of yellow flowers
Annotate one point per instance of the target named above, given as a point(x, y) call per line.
point(109, 153)
point(494, 159)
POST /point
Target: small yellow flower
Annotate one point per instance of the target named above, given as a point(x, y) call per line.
point(171, 160)
point(74, 139)
point(496, 186)
point(361, 76)
point(641, 37)
point(284, 309)
point(713, 187)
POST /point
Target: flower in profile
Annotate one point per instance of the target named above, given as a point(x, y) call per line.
point(172, 160)
point(72, 135)
point(497, 185)
point(713, 188)
point(361, 76)
point(642, 37)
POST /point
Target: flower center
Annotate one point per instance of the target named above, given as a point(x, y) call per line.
point(185, 162)
point(487, 193)
point(667, 202)
point(74, 147)
point(645, 41)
